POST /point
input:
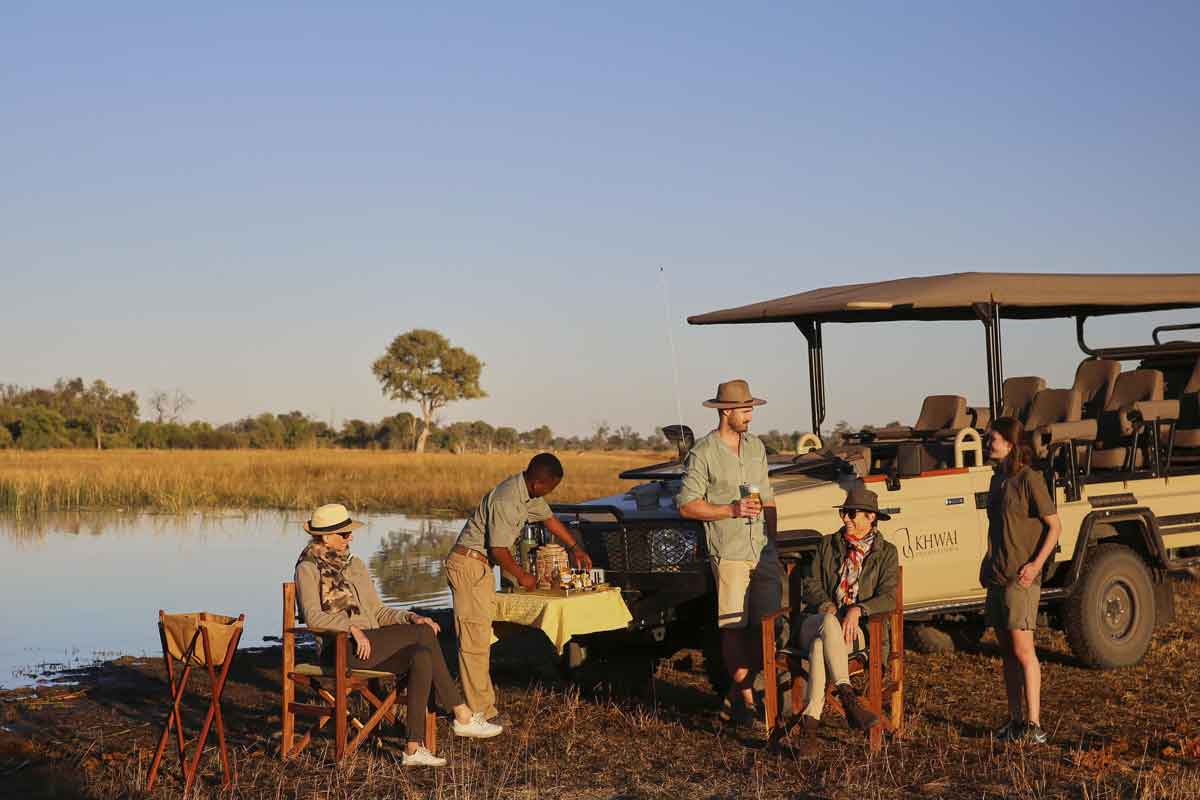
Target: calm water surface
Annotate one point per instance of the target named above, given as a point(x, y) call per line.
point(80, 587)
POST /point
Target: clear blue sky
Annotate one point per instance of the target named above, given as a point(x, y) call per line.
point(250, 201)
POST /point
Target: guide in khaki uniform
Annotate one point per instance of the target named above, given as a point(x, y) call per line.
point(721, 473)
point(486, 539)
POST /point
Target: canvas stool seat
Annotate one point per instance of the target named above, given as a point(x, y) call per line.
point(197, 640)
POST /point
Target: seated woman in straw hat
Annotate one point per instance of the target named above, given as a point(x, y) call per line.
point(854, 576)
point(336, 592)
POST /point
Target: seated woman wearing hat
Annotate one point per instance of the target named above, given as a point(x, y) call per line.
point(335, 592)
point(854, 576)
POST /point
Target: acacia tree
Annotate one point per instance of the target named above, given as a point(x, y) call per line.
point(422, 367)
point(107, 409)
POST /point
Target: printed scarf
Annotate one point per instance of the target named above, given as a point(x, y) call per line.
point(336, 594)
point(856, 550)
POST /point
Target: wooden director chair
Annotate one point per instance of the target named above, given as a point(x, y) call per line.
point(335, 686)
point(884, 681)
point(195, 640)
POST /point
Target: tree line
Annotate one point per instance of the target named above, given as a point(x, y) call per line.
point(420, 366)
point(72, 413)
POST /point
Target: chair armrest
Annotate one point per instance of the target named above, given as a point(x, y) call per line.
point(1047, 435)
point(769, 619)
point(1166, 410)
point(317, 631)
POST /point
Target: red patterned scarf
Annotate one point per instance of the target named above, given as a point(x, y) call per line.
point(856, 551)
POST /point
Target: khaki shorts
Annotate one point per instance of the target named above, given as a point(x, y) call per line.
point(1013, 607)
point(746, 590)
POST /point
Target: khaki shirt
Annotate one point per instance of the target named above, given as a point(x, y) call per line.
point(1015, 528)
point(714, 473)
point(372, 613)
point(498, 520)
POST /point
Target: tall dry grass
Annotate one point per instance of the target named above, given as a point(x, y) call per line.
point(177, 481)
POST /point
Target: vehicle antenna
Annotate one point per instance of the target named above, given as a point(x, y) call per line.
point(662, 273)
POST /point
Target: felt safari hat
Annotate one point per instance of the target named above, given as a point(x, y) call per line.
point(861, 498)
point(331, 518)
point(734, 394)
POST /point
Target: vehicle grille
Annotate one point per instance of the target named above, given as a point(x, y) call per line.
point(646, 549)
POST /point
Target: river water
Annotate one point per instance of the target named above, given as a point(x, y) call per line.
point(77, 588)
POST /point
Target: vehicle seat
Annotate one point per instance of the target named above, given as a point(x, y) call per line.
point(1016, 395)
point(941, 414)
point(1187, 432)
point(1055, 416)
point(1137, 398)
point(1095, 379)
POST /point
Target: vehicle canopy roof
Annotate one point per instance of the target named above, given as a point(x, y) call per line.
point(957, 296)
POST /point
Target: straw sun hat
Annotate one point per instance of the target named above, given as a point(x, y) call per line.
point(331, 518)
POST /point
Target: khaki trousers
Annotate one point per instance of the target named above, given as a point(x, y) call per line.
point(474, 589)
point(821, 637)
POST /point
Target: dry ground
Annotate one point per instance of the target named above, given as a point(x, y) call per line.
point(1129, 733)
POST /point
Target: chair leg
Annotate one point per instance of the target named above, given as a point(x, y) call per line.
point(896, 704)
point(175, 692)
point(875, 685)
point(340, 691)
point(371, 722)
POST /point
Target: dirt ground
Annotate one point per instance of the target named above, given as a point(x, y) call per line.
point(1127, 733)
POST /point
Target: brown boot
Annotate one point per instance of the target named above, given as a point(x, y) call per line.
point(858, 715)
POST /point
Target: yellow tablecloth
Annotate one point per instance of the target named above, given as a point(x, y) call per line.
point(560, 618)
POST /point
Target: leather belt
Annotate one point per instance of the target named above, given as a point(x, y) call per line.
point(469, 553)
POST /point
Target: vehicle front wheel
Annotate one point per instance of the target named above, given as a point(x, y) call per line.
point(1110, 613)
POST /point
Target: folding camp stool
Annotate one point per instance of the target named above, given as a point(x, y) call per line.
point(195, 640)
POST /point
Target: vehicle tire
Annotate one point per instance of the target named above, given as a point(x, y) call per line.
point(928, 639)
point(1109, 615)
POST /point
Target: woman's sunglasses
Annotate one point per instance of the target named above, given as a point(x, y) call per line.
point(851, 512)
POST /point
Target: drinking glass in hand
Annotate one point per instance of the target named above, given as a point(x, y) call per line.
point(749, 491)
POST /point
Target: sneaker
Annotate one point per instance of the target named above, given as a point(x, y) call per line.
point(477, 728)
point(1033, 734)
point(501, 719)
point(422, 758)
point(1009, 731)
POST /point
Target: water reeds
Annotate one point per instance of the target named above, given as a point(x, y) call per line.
point(178, 481)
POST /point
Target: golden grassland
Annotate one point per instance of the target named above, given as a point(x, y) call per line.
point(185, 480)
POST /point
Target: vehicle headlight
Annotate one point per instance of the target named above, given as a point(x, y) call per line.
point(671, 547)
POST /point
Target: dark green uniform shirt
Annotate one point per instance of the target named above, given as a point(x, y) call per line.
point(1016, 506)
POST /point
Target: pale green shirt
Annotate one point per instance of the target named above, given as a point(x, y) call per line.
point(714, 473)
point(501, 515)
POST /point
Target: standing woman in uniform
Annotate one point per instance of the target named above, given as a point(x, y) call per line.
point(1023, 530)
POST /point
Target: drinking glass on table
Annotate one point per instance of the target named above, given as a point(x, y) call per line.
point(749, 491)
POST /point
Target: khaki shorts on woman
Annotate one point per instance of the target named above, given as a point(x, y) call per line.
point(1013, 607)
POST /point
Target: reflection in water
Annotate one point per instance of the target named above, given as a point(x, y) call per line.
point(408, 564)
point(89, 584)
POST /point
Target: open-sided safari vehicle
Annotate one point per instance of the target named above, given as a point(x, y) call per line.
point(1118, 443)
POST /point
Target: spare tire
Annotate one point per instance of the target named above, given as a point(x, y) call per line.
point(1110, 612)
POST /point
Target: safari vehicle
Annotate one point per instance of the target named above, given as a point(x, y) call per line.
point(1119, 446)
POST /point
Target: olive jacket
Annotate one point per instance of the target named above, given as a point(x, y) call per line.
point(876, 583)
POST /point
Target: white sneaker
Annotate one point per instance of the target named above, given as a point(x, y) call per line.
point(422, 758)
point(477, 728)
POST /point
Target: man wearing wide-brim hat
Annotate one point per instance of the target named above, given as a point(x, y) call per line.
point(854, 577)
point(725, 485)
